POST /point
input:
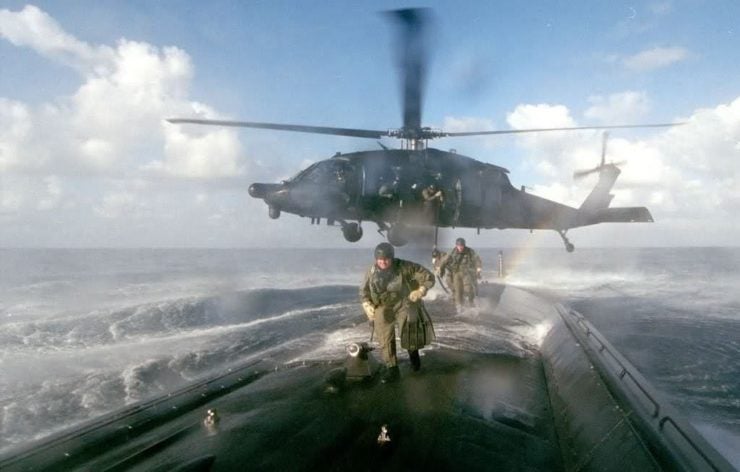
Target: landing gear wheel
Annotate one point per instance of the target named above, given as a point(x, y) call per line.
point(568, 245)
point(397, 235)
point(352, 232)
point(273, 212)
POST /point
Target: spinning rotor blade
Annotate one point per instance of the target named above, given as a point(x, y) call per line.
point(357, 133)
point(540, 130)
point(579, 174)
point(583, 173)
point(412, 62)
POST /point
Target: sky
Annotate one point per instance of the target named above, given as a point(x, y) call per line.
point(88, 160)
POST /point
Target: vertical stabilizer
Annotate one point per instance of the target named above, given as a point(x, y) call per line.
point(600, 198)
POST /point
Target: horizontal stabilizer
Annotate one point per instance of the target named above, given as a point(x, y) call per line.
point(622, 215)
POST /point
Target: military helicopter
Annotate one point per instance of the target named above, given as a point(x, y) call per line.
point(387, 186)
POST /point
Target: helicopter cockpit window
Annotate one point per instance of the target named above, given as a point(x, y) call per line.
point(323, 173)
point(307, 170)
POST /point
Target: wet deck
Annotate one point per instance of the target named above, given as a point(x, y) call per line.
point(537, 409)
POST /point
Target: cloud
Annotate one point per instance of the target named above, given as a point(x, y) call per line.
point(619, 108)
point(686, 174)
point(655, 58)
point(114, 122)
point(34, 28)
point(110, 129)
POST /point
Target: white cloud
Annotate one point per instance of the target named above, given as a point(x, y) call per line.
point(109, 134)
point(655, 58)
point(683, 174)
point(619, 108)
point(540, 116)
point(457, 124)
point(114, 123)
point(34, 28)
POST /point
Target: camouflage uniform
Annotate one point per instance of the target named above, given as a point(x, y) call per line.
point(388, 291)
point(464, 267)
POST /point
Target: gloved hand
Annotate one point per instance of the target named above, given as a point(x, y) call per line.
point(417, 294)
point(369, 309)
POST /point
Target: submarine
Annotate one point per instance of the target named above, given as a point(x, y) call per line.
point(572, 402)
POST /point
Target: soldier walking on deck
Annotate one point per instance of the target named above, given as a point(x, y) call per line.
point(392, 293)
point(465, 266)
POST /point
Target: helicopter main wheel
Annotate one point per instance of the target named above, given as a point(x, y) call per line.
point(397, 235)
point(569, 247)
point(352, 232)
point(273, 212)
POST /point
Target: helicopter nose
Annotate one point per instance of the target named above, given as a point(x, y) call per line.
point(263, 190)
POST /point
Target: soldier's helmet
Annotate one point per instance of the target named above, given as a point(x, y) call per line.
point(460, 242)
point(384, 251)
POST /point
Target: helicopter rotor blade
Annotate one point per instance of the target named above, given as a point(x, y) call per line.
point(579, 174)
point(541, 130)
point(412, 61)
point(356, 133)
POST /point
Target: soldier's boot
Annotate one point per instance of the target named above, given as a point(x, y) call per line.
point(415, 359)
point(390, 375)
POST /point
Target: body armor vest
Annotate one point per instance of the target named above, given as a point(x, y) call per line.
point(461, 260)
point(386, 286)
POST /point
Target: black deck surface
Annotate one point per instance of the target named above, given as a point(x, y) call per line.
point(463, 411)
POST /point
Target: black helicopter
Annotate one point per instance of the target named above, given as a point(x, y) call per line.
point(419, 186)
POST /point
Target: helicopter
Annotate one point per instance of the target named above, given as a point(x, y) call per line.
point(417, 186)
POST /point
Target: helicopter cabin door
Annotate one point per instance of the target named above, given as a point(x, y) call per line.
point(492, 184)
point(469, 191)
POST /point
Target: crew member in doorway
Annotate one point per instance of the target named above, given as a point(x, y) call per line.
point(465, 266)
point(433, 200)
point(392, 294)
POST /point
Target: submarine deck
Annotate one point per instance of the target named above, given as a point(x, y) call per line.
point(461, 412)
point(546, 408)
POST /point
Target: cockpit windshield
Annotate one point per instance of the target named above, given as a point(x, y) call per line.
point(322, 172)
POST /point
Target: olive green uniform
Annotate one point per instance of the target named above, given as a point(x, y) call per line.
point(388, 291)
point(463, 266)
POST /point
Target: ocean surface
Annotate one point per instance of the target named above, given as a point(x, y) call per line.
point(86, 331)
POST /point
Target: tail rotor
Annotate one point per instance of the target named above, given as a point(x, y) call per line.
point(602, 165)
